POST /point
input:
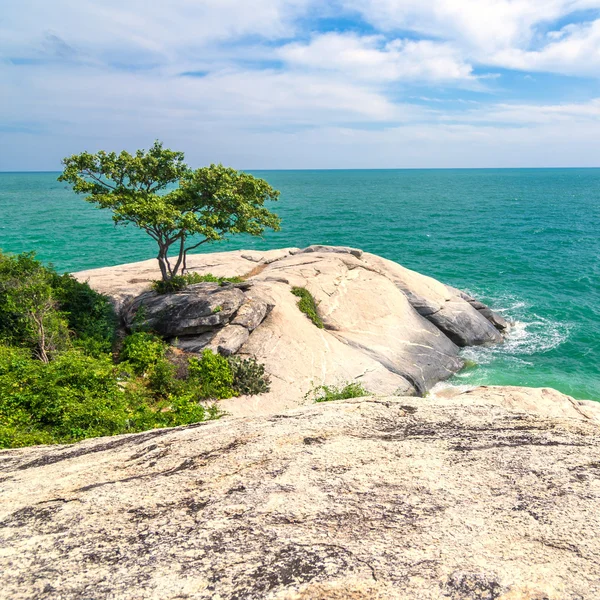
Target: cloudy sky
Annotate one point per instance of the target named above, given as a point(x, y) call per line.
point(303, 83)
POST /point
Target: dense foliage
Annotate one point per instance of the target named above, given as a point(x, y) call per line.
point(60, 380)
point(308, 305)
point(141, 189)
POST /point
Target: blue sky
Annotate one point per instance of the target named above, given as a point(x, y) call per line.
point(303, 83)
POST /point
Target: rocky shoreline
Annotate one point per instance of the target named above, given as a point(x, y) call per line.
point(393, 330)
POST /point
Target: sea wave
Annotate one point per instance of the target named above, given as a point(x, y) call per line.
point(530, 334)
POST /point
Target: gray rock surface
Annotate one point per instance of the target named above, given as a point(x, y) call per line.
point(229, 340)
point(319, 248)
point(464, 497)
point(199, 308)
point(465, 325)
point(498, 321)
point(194, 344)
point(252, 312)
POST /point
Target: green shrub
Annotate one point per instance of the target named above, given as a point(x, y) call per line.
point(308, 305)
point(174, 284)
point(212, 376)
point(72, 397)
point(192, 278)
point(45, 312)
point(161, 378)
point(29, 313)
point(90, 315)
point(327, 393)
point(77, 396)
point(249, 377)
point(142, 350)
point(183, 409)
point(180, 282)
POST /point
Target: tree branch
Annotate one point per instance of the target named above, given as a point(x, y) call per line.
point(98, 180)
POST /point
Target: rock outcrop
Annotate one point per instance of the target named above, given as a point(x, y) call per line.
point(470, 496)
point(387, 327)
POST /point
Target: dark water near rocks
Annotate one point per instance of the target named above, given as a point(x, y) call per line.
point(527, 241)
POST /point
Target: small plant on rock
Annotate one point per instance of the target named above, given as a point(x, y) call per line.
point(308, 305)
point(180, 282)
point(192, 278)
point(327, 393)
point(249, 377)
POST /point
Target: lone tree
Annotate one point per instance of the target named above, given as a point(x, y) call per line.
point(208, 203)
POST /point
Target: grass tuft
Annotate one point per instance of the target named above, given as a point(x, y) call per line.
point(327, 393)
point(180, 282)
point(308, 305)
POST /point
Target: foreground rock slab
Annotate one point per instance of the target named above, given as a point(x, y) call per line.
point(464, 497)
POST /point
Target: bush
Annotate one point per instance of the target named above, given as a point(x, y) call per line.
point(327, 393)
point(77, 396)
point(308, 305)
point(47, 312)
point(249, 377)
point(90, 315)
point(161, 378)
point(212, 376)
point(142, 350)
point(72, 397)
point(29, 313)
point(180, 282)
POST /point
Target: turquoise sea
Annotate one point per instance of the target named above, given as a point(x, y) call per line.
point(527, 241)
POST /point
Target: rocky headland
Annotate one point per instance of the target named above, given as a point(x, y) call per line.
point(393, 330)
point(483, 494)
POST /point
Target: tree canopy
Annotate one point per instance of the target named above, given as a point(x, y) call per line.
point(177, 206)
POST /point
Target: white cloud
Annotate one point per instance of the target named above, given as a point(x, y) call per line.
point(573, 50)
point(504, 33)
point(372, 58)
point(276, 93)
point(153, 29)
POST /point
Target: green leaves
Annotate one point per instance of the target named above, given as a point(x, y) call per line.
point(106, 172)
point(208, 204)
point(308, 305)
point(47, 312)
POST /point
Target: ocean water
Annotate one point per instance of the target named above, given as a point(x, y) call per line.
point(526, 241)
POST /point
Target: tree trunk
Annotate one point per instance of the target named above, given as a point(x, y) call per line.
point(41, 344)
point(163, 262)
point(180, 258)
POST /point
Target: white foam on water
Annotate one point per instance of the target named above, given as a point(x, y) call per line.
point(529, 334)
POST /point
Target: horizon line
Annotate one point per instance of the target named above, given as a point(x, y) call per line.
point(35, 171)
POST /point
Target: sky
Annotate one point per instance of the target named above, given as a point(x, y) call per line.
point(303, 84)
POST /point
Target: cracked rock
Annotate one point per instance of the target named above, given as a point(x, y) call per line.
point(198, 308)
point(230, 339)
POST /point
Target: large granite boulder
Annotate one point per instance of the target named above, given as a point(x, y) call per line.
point(390, 329)
point(367, 313)
point(197, 309)
point(468, 497)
